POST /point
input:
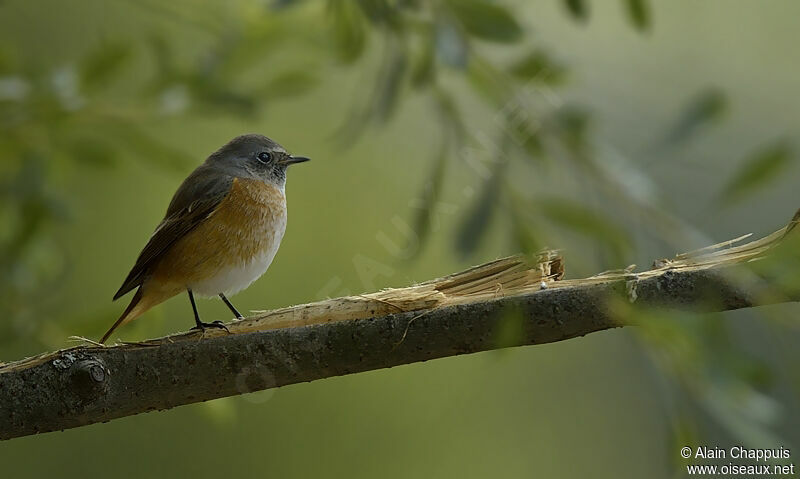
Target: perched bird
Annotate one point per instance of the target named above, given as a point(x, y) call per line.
point(221, 231)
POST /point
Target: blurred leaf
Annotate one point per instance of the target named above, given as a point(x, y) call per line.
point(522, 127)
point(390, 81)
point(747, 414)
point(36, 206)
point(206, 19)
point(430, 196)
point(532, 145)
point(707, 107)
point(757, 171)
point(683, 434)
point(239, 55)
point(738, 364)
point(755, 372)
point(349, 30)
point(218, 97)
point(165, 71)
point(410, 4)
point(697, 349)
point(487, 81)
point(99, 68)
point(290, 83)
point(782, 266)
point(207, 89)
point(451, 45)
point(450, 116)
point(639, 13)
point(377, 11)
point(278, 5)
point(577, 8)
point(526, 238)
point(136, 140)
point(477, 220)
point(527, 235)
point(486, 20)
point(588, 222)
point(92, 153)
point(422, 73)
point(573, 128)
point(539, 67)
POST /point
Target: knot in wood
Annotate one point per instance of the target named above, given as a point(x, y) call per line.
point(89, 374)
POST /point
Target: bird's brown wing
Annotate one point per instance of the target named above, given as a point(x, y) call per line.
point(196, 199)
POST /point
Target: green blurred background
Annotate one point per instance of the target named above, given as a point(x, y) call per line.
point(623, 131)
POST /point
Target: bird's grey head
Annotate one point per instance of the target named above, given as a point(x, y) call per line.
point(255, 157)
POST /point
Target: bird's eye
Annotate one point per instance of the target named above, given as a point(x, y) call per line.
point(264, 157)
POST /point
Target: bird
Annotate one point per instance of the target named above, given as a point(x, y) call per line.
point(220, 233)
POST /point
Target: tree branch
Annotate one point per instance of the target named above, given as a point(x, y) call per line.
point(459, 314)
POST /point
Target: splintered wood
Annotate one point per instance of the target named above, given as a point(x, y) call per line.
point(502, 277)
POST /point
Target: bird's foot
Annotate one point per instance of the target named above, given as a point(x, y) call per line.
point(201, 326)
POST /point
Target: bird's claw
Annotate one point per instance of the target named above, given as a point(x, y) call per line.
point(214, 325)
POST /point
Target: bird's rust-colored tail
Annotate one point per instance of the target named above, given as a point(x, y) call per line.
point(134, 309)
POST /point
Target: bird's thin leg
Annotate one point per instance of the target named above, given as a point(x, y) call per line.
point(201, 325)
point(194, 308)
point(230, 306)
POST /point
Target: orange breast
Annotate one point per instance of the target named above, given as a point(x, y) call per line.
point(246, 228)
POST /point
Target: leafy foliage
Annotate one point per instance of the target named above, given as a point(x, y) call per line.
point(706, 108)
point(487, 21)
point(757, 171)
point(639, 13)
point(577, 8)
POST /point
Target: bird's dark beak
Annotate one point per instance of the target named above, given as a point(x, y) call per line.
point(295, 159)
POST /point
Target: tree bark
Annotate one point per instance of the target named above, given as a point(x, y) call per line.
point(90, 384)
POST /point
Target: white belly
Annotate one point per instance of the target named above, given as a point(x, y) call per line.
point(235, 278)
